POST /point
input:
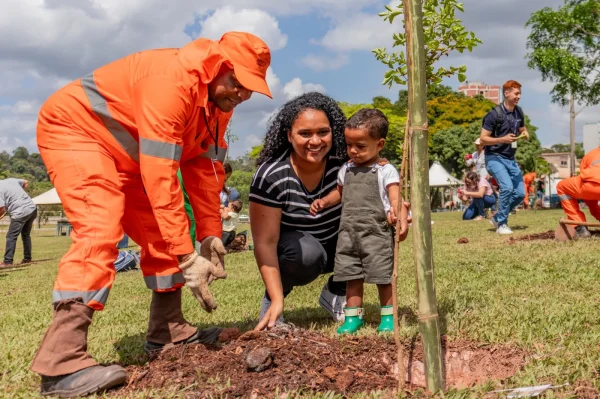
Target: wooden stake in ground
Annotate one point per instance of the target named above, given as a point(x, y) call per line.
point(403, 193)
point(420, 198)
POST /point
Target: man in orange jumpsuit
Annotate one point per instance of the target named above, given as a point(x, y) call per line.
point(586, 187)
point(112, 142)
point(528, 180)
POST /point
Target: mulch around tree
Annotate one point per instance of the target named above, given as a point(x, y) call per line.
point(265, 364)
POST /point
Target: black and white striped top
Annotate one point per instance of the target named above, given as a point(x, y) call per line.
point(276, 185)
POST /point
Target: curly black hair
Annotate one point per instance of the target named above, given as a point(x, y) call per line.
point(276, 141)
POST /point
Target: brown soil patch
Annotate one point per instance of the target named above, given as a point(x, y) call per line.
point(298, 359)
point(585, 390)
point(548, 235)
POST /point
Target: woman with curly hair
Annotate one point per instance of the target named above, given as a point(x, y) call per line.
point(303, 151)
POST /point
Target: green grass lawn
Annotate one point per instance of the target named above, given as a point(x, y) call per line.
point(543, 296)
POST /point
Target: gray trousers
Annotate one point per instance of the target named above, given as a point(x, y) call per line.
point(302, 258)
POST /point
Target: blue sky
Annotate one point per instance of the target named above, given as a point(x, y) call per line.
point(319, 45)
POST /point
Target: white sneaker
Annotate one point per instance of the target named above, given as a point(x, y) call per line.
point(494, 222)
point(264, 307)
point(504, 229)
point(333, 304)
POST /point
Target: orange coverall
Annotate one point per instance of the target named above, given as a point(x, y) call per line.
point(528, 180)
point(113, 142)
point(585, 186)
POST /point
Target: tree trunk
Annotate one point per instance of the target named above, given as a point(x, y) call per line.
point(572, 115)
point(419, 189)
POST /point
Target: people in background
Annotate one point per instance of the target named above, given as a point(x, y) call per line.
point(476, 161)
point(479, 190)
point(502, 127)
point(231, 219)
point(540, 189)
point(585, 187)
point(15, 202)
point(226, 191)
point(529, 180)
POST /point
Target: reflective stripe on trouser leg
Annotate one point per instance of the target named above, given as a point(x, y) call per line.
point(568, 190)
point(96, 297)
point(87, 182)
point(162, 283)
point(161, 270)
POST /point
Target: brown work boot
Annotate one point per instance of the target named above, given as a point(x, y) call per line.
point(84, 382)
point(168, 326)
point(67, 370)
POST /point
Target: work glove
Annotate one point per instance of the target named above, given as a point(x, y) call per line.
point(197, 271)
point(212, 249)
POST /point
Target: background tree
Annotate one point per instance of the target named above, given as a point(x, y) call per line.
point(230, 138)
point(393, 147)
point(579, 151)
point(241, 181)
point(21, 163)
point(565, 48)
point(455, 109)
point(443, 33)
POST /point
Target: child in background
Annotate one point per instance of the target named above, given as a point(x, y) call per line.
point(224, 195)
point(369, 191)
point(231, 218)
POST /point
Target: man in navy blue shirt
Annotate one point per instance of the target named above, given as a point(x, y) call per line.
point(502, 127)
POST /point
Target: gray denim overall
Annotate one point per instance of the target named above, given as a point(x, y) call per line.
point(365, 241)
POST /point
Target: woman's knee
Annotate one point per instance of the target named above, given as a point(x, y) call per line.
point(302, 258)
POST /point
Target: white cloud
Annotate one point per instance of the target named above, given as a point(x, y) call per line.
point(560, 120)
point(264, 121)
point(360, 32)
point(295, 87)
point(251, 118)
point(252, 21)
point(325, 62)
point(253, 140)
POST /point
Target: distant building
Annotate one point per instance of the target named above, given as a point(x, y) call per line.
point(472, 89)
point(560, 162)
point(591, 136)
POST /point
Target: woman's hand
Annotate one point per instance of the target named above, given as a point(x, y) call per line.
point(268, 321)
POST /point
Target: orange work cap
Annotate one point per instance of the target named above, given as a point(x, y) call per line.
point(250, 57)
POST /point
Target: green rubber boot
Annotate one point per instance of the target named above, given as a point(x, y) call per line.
point(387, 319)
point(352, 321)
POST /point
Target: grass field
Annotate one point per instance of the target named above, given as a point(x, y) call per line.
point(542, 296)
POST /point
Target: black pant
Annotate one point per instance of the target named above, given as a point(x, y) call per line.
point(23, 227)
point(302, 258)
point(227, 237)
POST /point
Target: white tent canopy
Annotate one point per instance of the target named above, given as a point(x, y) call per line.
point(48, 198)
point(439, 177)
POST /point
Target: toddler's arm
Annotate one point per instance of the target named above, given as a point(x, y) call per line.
point(225, 214)
point(333, 198)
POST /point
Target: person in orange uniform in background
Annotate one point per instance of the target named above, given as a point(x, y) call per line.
point(586, 187)
point(528, 180)
point(112, 142)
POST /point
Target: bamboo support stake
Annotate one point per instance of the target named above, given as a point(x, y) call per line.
point(420, 196)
